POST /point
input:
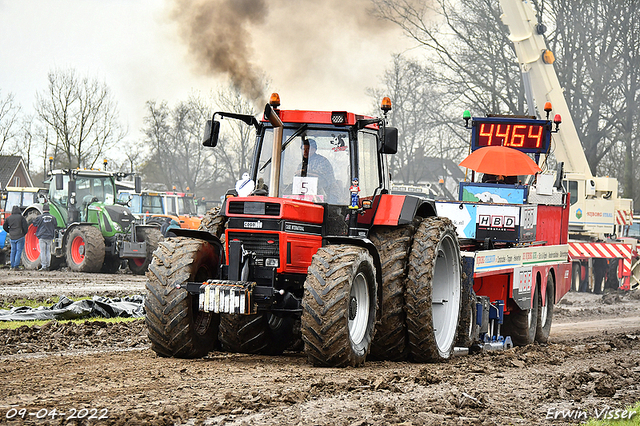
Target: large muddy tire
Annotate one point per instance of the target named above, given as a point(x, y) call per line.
point(545, 315)
point(85, 249)
point(31, 253)
point(339, 306)
point(152, 237)
point(433, 291)
point(213, 222)
point(390, 342)
point(175, 325)
point(263, 333)
point(522, 324)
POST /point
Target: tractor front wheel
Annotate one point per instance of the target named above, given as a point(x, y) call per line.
point(85, 249)
point(339, 306)
point(175, 325)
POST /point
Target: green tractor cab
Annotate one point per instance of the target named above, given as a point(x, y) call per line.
point(94, 233)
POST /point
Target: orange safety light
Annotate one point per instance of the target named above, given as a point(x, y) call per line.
point(274, 100)
point(547, 57)
point(386, 104)
point(547, 107)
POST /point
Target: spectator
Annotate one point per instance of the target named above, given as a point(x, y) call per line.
point(16, 226)
point(46, 227)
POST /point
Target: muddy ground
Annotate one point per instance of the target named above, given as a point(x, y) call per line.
point(107, 371)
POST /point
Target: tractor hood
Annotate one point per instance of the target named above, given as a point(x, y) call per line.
point(120, 215)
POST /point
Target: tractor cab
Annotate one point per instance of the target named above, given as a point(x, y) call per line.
point(329, 158)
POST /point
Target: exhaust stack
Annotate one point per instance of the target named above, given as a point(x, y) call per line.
point(276, 152)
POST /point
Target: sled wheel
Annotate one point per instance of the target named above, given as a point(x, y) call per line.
point(545, 316)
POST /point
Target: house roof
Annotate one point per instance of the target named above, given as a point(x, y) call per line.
point(9, 164)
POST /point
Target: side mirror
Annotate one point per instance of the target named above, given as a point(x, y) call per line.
point(72, 192)
point(137, 183)
point(390, 141)
point(211, 131)
point(59, 182)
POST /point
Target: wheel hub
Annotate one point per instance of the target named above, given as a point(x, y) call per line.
point(353, 308)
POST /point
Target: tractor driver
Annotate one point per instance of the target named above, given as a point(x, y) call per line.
point(314, 164)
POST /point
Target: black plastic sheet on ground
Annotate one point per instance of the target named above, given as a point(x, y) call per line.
point(66, 309)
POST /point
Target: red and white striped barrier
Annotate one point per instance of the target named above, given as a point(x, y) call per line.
point(604, 251)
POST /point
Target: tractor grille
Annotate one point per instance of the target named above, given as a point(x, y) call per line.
point(267, 209)
point(264, 245)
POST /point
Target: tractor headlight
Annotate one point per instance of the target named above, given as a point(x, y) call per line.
point(271, 262)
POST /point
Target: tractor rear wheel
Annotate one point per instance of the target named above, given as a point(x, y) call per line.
point(31, 253)
point(545, 316)
point(151, 236)
point(390, 342)
point(174, 324)
point(85, 249)
point(522, 324)
point(263, 333)
point(433, 293)
point(339, 306)
point(213, 223)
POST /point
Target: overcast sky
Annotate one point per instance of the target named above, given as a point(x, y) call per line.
point(315, 53)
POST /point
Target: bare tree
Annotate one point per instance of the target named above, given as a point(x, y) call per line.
point(235, 150)
point(419, 114)
point(9, 121)
point(82, 114)
point(175, 138)
point(596, 44)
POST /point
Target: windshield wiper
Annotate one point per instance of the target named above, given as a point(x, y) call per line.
point(297, 133)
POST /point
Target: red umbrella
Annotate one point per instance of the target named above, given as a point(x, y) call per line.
point(500, 160)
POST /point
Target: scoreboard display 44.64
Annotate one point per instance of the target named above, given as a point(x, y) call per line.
point(526, 135)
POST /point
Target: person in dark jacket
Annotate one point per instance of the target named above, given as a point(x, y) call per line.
point(16, 226)
point(46, 227)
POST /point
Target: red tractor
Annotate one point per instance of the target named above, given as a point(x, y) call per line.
point(311, 245)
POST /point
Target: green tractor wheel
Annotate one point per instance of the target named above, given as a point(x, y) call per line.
point(85, 249)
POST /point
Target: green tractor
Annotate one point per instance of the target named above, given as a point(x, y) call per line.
point(94, 233)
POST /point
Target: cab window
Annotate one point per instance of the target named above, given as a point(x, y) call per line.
point(368, 173)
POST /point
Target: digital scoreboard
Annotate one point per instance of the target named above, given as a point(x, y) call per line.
point(526, 135)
